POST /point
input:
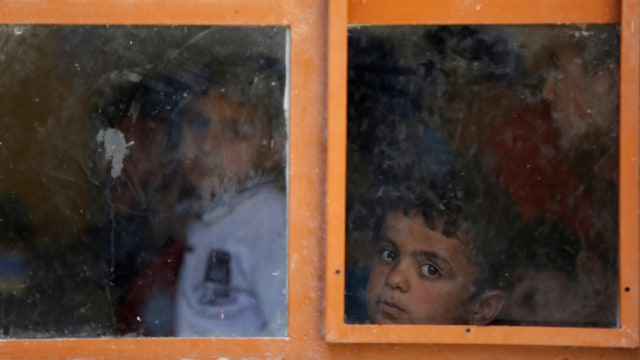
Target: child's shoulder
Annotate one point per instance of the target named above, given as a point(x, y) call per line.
point(265, 189)
point(267, 197)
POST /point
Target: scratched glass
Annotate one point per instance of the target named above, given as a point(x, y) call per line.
point(143, 184)
point(482, 180)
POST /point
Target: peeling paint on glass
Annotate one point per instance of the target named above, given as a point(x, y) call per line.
point(143, 183)
point(482, 182)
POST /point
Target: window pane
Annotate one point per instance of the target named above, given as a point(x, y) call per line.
point(143, 183)
point(482, 182)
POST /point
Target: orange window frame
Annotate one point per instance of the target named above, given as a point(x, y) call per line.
point(304, 20)
point(501, 12)
point(317, 173)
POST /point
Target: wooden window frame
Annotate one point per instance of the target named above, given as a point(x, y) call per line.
point(495, 12)
point(304, 20)
point(317, 147)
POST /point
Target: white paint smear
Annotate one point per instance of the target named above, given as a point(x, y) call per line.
point(115, 148)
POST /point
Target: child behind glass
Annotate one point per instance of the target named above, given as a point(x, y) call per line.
point(439, 257)
point(233, 277)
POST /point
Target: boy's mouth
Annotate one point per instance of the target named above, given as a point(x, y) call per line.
point(391, 310)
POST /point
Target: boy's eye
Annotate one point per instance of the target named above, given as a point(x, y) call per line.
point(388, 255)
point(430, 271)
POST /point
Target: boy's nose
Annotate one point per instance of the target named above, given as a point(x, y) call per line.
point(397, 278)
point(549, 87)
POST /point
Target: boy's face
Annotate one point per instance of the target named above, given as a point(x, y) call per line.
point(583, 105)
point(225, 142)
point(545, 297)
point(419, 276)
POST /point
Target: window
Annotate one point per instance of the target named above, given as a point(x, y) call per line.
point(430, 105)
point(184, 132)
point(416, 124)
point(178, 16)
point(315, 35)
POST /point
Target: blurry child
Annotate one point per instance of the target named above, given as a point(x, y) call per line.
point(141, 140)
point(559, 158)
point(557, 280)
point(583, 95)
point(439, 258)
point(233, 276)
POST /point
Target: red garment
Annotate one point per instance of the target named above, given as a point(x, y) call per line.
point(161, 276)
point(536, 172)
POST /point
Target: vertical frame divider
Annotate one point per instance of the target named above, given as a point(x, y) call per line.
point(336, 168)
point(629, 209)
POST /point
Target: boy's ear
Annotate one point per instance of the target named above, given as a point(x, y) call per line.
point(486, 306)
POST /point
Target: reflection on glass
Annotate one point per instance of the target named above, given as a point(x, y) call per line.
point(482, 175)
point(143, 190)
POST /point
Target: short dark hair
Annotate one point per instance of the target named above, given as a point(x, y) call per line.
point(467, 206)
point(255, 79)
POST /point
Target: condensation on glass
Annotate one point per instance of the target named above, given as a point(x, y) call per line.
point(143, 183)
point(482, 181)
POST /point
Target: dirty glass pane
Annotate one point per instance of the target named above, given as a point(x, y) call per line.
point(143, 181)
point(482, 183)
